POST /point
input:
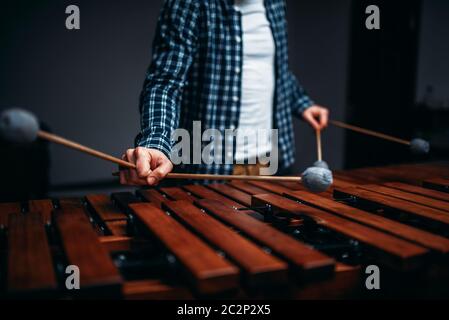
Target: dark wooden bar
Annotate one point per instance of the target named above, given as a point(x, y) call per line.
point(30, 265)
point(238, 240)
point(404, 206)
point(391, 250)
point(423, 200)
point(234, 194)
point(153, 196)
point(419, 190)
point(45, 207)
point(438, 184)
point(303, 259)
point(6, 209)
point(259, 267)
point(209, 272)
point(203, 192)
point(426, 239)
point(83, 249)
point(177, 194)
point(102, 205)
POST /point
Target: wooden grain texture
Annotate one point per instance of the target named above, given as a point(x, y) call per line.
point(270, 187)
point(419, 190)
point(45, 207)
point(176, 193)
point(259, 267)
point(117, 227)
point(424, 238)
point(406, 173)
point(423, 200)
point(404, 206)
point(203, 192)
point(302, 259)
point(209, 273)
point(247, 188)
point(391, 250)
point(292, 185)
point(102, 205)
point(71, 203)
point(341, 175)
point(152, 195)
point(153, 289)
point(123, 199)
point(438, 184)
point(30, 265)
point(116, 243)
point(234, 194)
point(6, 209)
point(83, 249)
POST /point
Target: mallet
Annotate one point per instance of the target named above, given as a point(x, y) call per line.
point(417, 146)
point(319, 163)
point(21, 126)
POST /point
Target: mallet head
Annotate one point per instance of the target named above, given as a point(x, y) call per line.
point(18, 125)
point(321, 164)
point(317, 179)
point(419, 146)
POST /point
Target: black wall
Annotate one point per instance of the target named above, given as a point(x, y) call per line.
point(85, 84)
point(382, 80)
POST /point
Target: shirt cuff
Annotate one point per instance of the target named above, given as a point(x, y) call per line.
point(303, 103)
point(155, 140)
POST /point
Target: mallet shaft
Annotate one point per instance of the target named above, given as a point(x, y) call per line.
point(368, 132)
point(318, 145)
point(231, 177)
point(74, 145)
point(201, 176)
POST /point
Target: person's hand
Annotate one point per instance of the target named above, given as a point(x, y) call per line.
point(152, 166)
point(316, 116)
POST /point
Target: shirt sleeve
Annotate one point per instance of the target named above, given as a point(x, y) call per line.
point(174, 46)
point(301, 101)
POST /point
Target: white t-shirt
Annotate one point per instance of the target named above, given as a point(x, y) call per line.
point(258, 81)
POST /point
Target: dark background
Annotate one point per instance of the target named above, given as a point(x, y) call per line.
point(84, 84)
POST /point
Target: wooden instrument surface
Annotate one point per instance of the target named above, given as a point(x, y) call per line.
point(253, 239)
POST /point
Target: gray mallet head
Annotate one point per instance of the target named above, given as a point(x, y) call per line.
point(317, 179)
point(321, 164)
point(419, 146)
point(18, 125)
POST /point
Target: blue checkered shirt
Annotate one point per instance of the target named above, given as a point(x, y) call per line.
point(195, 75)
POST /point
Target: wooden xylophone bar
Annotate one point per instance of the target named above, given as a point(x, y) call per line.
point(236, 240)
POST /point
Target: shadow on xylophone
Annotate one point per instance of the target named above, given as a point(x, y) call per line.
point(237, 240)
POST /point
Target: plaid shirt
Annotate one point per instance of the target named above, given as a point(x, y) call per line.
point(195, 75)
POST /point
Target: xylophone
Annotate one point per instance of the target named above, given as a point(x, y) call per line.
point(241, 239)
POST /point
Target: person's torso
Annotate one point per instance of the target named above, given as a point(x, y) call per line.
point(212, 93)
point(258, 81)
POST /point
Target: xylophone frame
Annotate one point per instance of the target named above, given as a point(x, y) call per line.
point(237, 240)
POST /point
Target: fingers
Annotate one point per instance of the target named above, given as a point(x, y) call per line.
point(317, 117)
point(324, 118)
point(143, 160)
point(122, 176)
point(132, 172)
point(130, 176)
point(310, 118)
point(151, 167)
point(159, 173)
